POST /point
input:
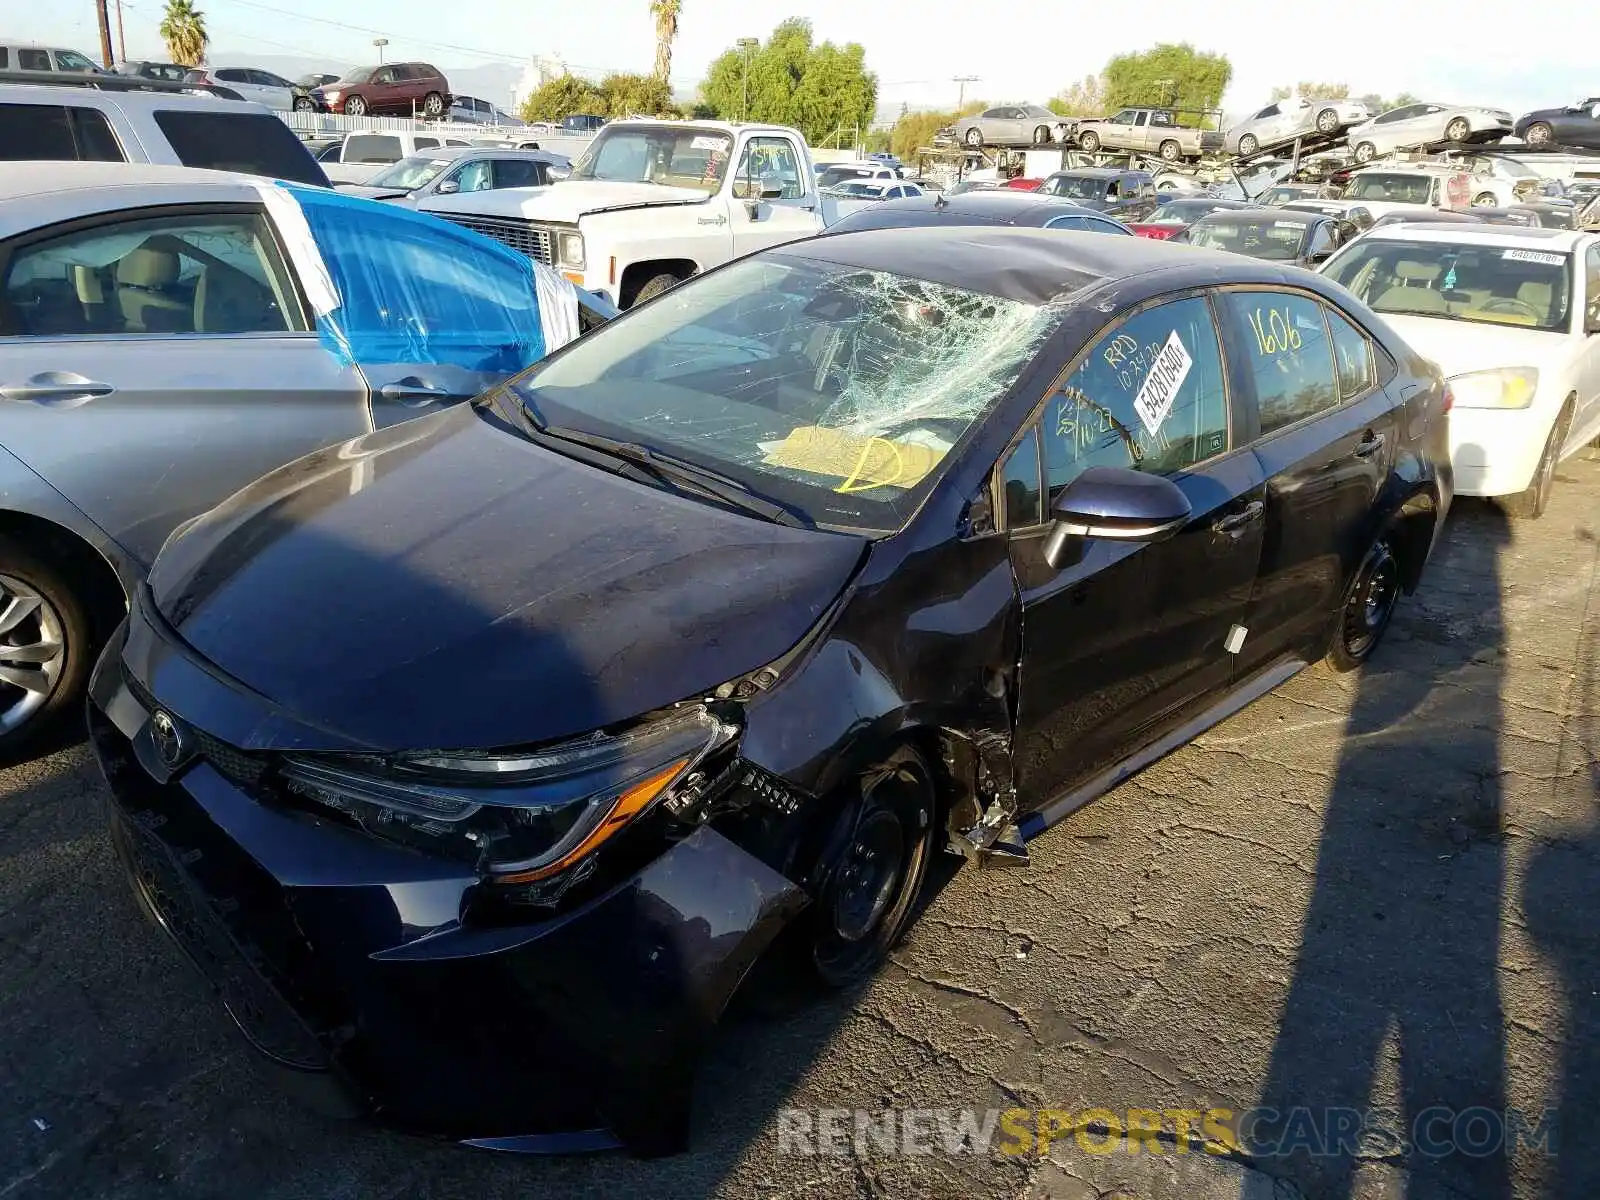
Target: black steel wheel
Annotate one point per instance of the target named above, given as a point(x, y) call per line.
point(1370, 608)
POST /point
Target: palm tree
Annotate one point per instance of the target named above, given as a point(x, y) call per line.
point(666, 14)
point(183, 28)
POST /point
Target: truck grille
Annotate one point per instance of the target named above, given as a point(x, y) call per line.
point(520, 235)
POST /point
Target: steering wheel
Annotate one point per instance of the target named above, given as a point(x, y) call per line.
point(1511, 307)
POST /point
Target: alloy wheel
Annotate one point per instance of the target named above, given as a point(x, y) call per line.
point(1248, 145)
point(1327, 121)
point(1538, 135)
point(1457, 130)
point(32, 652)
point(1372, 602)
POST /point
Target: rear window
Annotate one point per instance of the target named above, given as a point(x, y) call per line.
point(254, 143)
point(371, 148)
point(56, 133)
point(34, 60)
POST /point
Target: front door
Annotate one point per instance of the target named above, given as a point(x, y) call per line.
point(1124, 639)
point(152, 366)
point(1326, 439)
point(758, 223)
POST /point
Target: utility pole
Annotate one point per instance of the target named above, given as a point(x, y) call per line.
point(122, 38)
point(961, 94)
point(105, 31)
point(748, 45)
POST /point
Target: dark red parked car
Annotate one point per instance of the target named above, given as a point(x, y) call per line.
point(399, 88)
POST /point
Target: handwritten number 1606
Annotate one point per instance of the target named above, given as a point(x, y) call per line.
point(1275, 332)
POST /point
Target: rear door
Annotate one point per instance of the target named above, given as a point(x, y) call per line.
point(1325, 435)
point(1124, 639)
point(153, 364)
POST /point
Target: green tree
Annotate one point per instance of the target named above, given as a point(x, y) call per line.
point(183, 28)
point(1085, 98)
point(636, 96)
point(915, 130)
point(665, 13)
point(562, 97)
point(790, 80)
point(1176, 75)
point(1377, 104)
point(1313, 91)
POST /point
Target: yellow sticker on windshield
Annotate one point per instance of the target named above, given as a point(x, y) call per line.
point(863, 463)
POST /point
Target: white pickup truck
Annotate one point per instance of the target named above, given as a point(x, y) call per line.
point(650, 203)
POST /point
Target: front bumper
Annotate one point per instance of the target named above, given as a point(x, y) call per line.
point(1494, 452)
point(365, 971)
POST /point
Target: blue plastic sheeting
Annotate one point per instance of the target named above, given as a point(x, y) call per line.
point(412, 288)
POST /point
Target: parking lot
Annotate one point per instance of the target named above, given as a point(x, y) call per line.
point(1369, 891)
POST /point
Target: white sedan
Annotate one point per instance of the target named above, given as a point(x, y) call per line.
point(1416, 125)
point(1512, 317)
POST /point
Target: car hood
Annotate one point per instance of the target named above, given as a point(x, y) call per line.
point(446, 583)
point(565, 202)
point(1462, 346)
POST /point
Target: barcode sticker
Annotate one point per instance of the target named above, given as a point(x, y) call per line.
point(1535, 256)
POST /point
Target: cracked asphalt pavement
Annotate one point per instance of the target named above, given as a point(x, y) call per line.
point(1371, 891)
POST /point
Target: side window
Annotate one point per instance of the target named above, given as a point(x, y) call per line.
point(1147, 190)
point(765, 156)
point(517, 172)
point(5, 61)
point(1114, 190)
point(1142, 119)
point(371, 148)
point(253, 143)
point(1353, 356)
point(56, 133)
point(231, 76)
point(476, 176)
point(1286, 353)
point(1148, 395)
point(1322, 240)
point(71, 60)
point(1096, 225)
point(1164, 119)
point(1592, 271)
point(33, 60)
point(386, 75)
point(216, 273)
point(993, 113)
point(426, 143)
point(1064, 223)
point(1019, 483)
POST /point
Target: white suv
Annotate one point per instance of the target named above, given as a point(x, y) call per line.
point(1512, 317)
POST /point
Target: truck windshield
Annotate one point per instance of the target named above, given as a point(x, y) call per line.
point(672, 155)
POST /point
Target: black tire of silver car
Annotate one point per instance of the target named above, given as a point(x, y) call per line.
point(1539, 134)
point(304, 104)
point(654, 286)
point(870, 888)
point(1088, 141)
point(975, 138)
point(1328, 121)
point(1457, 130)
point(1041, 135)
point(1248, 145)
point(47, 647)
point(1529, 505)
point(1369, 609)
point(433, 104)
point(355, 106)
point(1366, 152)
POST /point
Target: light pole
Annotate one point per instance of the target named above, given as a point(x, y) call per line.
point(961, 95)
point(747, 45)
point(380, 43)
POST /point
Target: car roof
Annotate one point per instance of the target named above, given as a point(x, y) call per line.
point(986, 206)
point(21, 180)
point(1033, 266)
point(1483, 234)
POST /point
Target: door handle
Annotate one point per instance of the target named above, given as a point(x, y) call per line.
point(55, 387)
point(1370, 445)
point(413, 392)
point(1236, 521)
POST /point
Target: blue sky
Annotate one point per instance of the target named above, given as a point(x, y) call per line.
point(1434, 48)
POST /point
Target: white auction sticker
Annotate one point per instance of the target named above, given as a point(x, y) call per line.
point(1160, 387)
point(710, 143)
point(1535, 256)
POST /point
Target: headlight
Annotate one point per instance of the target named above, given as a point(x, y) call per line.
point(333, 95)
point(570, 250)
point(518, 818)
point(1509, 387)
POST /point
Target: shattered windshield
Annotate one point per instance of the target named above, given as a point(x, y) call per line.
point(409, 173)
point(838, 390)
point(671, 155)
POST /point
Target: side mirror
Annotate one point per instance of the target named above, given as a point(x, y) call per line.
point(448, 188)
point(1115, 503)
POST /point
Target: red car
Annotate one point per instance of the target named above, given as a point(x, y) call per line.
point(1024, 185)
point(1177, 215)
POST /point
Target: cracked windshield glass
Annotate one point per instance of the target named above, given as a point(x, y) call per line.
point(836, 390)
point(669, 155)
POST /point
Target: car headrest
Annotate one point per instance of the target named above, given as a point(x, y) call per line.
point(144, 267)
point(1415, 272)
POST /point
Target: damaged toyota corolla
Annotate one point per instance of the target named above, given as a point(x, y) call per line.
point(476, 761)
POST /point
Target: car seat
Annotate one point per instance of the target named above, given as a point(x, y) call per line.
point(146, 282)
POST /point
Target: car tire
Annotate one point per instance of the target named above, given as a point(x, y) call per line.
point(875, 865)
point(1369, 607)
point(1529, 505)
point(1539, 134)
point(1089, 141)
point(1485, 200)
point(1328, 121)
point(974, 138)
point(1170, 151)
point(304, 104)
point(1041, 136)
point(1366, 152)
point(355, 106)
point(1458, 130)
point(654, 286)
point(1248, 145)
point(432, 106)
point(56, 614)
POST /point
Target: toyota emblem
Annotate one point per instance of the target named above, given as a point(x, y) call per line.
point(167, 737)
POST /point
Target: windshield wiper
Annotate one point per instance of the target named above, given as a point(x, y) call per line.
point(644, 465)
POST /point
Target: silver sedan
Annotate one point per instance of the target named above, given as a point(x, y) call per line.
point(452, 169)
point(1415, 125)
point(1012, 125)
point(1280, 122)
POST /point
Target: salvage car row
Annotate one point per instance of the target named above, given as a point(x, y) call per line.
point(465, 676)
